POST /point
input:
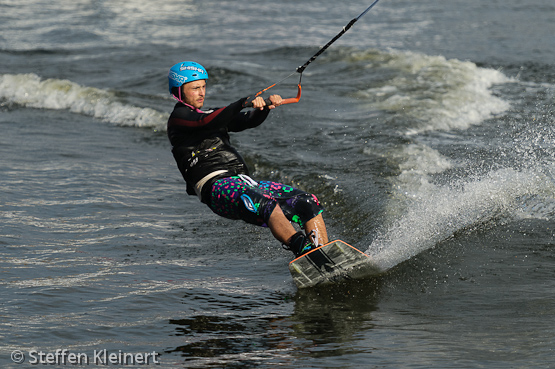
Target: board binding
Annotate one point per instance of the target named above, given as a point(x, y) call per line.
point(333, 262)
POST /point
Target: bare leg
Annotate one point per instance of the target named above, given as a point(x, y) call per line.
point(283, 230)
point(280, 226)
point(317, 224)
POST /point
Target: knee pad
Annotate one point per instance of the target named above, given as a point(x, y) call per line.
point(301, 208)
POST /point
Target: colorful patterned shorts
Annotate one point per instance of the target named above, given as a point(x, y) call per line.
point(242, 198)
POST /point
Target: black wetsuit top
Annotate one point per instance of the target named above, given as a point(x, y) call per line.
point(201, 144)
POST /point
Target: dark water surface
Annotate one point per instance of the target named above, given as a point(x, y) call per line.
point(427, 131)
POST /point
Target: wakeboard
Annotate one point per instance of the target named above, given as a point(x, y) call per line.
point(333, 262)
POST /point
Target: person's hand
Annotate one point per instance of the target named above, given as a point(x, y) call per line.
point(259, 102)
point(276, 101)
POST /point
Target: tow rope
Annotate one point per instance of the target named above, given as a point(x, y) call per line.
point(301, 68)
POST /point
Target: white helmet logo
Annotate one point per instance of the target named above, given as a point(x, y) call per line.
point(192, 68)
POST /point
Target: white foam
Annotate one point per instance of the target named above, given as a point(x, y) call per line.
point(435, 93)
point(442, 211)
point(417, 162)
point(31, 91)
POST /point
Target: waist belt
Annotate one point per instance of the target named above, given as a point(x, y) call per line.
point(206, 178)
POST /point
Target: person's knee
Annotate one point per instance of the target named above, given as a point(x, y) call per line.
point(307, 207)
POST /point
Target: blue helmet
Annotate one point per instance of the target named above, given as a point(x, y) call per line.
point(185, 72)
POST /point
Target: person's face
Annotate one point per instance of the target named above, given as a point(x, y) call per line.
point(193, 93)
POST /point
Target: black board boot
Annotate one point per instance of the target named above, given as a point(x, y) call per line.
point(300, 244)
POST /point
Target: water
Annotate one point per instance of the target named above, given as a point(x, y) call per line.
point(427, 131)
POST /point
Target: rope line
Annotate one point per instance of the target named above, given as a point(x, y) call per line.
point(301, 69)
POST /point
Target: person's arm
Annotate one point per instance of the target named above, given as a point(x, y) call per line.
point(254, 118)
point(183, 116)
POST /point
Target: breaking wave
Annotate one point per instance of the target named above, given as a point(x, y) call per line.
point(31, 91)
point(432, 92)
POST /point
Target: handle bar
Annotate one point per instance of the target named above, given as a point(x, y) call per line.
point(291, 100)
